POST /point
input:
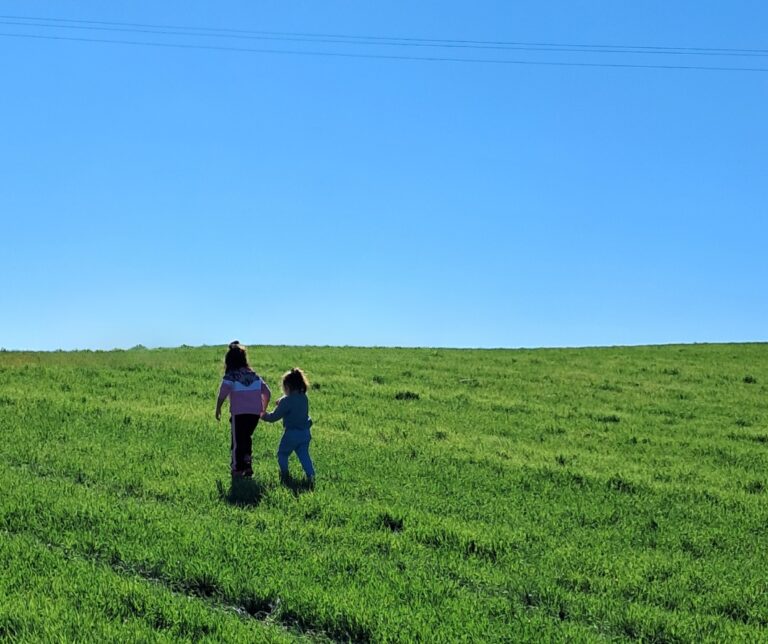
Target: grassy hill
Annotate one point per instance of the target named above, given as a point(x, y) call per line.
point(590, 494)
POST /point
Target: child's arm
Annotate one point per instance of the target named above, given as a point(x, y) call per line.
point(224, 391)
point(266, 394)
point(280, 411)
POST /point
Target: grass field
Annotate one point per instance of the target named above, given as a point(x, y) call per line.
point(581, 495)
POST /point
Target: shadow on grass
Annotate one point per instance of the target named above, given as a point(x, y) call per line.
point(297, 486)
point(242, 492)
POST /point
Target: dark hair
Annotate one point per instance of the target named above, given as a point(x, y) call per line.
point(295, 380)
point(236, 358)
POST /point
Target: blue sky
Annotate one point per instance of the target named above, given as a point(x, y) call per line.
point(164, 196)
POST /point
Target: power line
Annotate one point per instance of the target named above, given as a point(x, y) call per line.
point(392, 42)
point(494, 61)
point(402, 40)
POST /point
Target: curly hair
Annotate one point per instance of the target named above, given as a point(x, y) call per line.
point(295, 380)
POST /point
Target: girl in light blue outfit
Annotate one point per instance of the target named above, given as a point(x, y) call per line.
point(293, 409)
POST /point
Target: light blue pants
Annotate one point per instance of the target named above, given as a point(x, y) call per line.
point(294, 440)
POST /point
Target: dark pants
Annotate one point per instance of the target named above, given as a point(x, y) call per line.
point(242, 430)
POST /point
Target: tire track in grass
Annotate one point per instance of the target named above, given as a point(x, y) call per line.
point(265, 611)
point(123, 602)
point(269, 609)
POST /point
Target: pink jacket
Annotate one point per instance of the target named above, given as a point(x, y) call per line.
point(248, 393)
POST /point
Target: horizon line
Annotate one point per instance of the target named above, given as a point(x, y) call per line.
point(141, 347)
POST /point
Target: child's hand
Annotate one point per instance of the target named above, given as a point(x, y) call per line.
point(218, 414)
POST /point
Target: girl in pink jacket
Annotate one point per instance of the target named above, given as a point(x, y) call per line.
point(248, 397)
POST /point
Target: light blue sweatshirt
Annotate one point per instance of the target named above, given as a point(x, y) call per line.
point(294, 410)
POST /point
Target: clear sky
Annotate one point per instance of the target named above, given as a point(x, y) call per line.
point(166, 196)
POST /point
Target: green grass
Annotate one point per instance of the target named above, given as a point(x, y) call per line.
point(583, 495)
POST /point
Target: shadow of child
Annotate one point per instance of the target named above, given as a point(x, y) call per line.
point(242, 492)
point(297, 486)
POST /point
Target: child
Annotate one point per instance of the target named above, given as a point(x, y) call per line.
point(293, 408)
point(248, 397)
